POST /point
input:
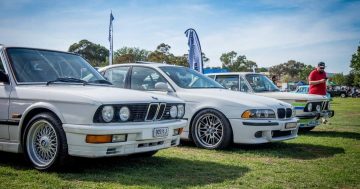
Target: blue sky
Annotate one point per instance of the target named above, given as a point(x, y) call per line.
point(268, 32)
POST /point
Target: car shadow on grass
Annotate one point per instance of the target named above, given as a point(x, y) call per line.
point(156, 171)
point(281, 150)
point(298, 151)
point(334, 134)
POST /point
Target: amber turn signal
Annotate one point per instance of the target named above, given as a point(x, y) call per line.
point(96, 139)
point(178, 131)
point(246, 114)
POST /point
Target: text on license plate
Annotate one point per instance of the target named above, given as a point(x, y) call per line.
point(160, 132)
point(291, 125)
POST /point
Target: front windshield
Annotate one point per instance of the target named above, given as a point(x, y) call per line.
point(38, 66)
point(188, 78)
point(260, 83)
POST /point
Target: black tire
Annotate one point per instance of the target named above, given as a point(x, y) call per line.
point(343, 95)
point(49, 134)
point(144, 154)
point(306, 129)
point(206, 134)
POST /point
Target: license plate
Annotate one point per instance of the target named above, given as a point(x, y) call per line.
point(313, 123)
point(290, 125)
point(161, 132)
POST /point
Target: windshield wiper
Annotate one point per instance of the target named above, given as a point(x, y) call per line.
point(68, 80)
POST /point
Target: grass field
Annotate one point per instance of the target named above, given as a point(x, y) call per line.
point(327, 157)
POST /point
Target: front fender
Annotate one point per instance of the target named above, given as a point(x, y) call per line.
point(39, 105)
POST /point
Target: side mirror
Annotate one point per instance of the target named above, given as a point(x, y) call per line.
point(4, 78)
point(161, 86)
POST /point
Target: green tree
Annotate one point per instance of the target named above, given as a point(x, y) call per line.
point(262, 69)
point(164, 48)
point(294, 70)
point(161, 54)
point(349, 79)
point(130, 55)
point(237, 63)
point(178, 60)
point(94, 53)
point(305, 72)
point(355, 65)
point(278, 70)
point(339, 79)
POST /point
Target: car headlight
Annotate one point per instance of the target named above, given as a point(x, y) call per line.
point(258, 114)
point(318, 108)
point(180, 111)
point(173, 111)
point(124, 113)
point(309, 107)
point(107, 113)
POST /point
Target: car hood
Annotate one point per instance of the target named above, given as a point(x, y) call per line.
point(287, 96)
point(233, 98)
point(90, 94)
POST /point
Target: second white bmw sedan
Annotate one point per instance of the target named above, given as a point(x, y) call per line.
point(217, 116)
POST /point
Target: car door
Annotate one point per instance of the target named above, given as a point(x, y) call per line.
point(5, 90)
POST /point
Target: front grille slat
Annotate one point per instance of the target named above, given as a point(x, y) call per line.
point(138, 112)
point(288, 112)
point(152, 112)
point(281, 113)
point(161, 111)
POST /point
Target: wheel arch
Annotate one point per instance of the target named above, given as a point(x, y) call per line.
point(33, 110)
point(207, 108)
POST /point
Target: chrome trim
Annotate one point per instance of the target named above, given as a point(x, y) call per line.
point(161, 104)
point(156, 113)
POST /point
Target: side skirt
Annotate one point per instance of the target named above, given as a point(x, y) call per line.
point(7, 146)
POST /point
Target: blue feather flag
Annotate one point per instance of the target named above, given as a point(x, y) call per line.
point(111, 39)
point(195, 54)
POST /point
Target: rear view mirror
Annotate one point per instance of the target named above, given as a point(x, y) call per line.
point(4, 78)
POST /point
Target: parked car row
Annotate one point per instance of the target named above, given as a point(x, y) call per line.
point(54, 105)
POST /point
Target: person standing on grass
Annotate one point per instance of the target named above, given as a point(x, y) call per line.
point(317, 80)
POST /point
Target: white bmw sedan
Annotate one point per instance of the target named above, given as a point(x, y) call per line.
point(217, 116)
point(54, 105)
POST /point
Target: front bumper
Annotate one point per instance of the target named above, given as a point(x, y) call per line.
point(262, 131)
point(139, 138)
point(311, 119)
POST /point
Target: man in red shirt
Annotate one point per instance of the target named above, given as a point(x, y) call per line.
point(317, 80)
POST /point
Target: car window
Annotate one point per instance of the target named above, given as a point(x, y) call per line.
point(145, 79)
point(117, 76)
point(229, 81)
point(243, 86)
point(188, 78)
point(34, 65)
point(261, 83)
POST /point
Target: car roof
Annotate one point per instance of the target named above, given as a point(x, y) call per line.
point(22, 47)
point(148, 64)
